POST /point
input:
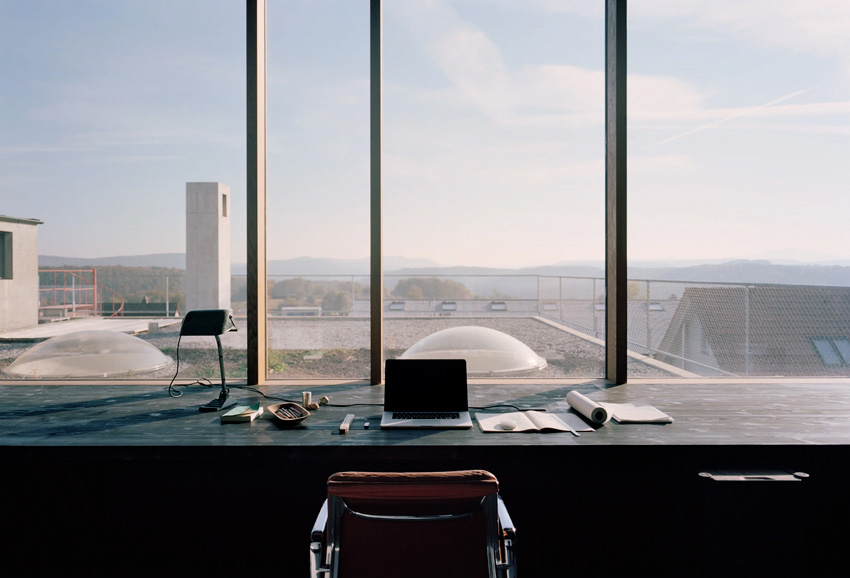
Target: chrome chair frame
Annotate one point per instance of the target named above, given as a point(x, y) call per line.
point(324, 544)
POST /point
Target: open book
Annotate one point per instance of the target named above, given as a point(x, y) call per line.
point(524, 420)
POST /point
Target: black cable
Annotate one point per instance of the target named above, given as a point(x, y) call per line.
point(258, 392)
point(511, 406)
point(276, 398)
point(172, 391)
point(298, 401)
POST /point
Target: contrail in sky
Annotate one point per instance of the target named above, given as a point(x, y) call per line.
point(742, 112)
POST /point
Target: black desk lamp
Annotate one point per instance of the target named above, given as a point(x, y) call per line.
point(210, 322)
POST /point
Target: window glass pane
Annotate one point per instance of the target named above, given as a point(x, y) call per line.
point(842, 345)
point(5, 255)
point(738, 116)
point(494, 179)
point(826, 351)
point(115, 108)
point(318, 189)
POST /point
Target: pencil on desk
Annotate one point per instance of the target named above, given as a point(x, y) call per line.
point(343, 427)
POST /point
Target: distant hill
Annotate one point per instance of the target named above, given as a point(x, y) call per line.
point(744, 271)
point(296, 266)
point(168, 260)
point(320, 266)
point(562, 270)
point(740, 271)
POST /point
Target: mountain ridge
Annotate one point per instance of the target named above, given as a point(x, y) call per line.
point(730, 271)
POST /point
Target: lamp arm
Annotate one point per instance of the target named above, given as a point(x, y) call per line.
point(224, 389)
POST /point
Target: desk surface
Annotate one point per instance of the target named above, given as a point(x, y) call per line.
point(733, 413)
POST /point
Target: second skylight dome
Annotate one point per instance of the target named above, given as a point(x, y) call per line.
point(486, 351)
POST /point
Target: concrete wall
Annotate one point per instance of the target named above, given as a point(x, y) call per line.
point(207, 246)
point(19, 295)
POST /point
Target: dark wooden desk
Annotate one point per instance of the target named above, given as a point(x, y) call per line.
point(105, 476)
point(704, 413)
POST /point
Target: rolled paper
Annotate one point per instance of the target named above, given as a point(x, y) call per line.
point(587, 407)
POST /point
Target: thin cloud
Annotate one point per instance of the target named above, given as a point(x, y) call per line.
point(19, 150)
point(739, 113)
point(817, 28)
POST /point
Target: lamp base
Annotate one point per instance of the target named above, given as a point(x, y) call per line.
point(215, 404)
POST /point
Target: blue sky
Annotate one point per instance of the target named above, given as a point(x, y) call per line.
point(493, 127)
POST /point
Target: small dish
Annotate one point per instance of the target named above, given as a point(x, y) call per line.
point(288, 414)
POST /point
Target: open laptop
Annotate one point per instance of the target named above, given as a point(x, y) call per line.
point(426, 393)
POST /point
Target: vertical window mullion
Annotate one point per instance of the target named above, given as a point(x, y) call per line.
point(615, 192)
point(376, 251)
point(256, 190)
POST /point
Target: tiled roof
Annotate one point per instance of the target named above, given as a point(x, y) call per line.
point(763, 330)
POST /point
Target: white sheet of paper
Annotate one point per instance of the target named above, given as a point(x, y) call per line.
point(630, 413)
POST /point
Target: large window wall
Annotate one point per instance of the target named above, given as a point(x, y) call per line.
point(738, 116)
point(492, 161)
point(486, 168)
point(108, 110)
point(493, 165)
point(414, 168)
point(715, 177)
point(317, 227)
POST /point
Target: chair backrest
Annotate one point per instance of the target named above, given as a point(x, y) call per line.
point(413, 524)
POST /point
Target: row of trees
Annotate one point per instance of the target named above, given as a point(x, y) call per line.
point(331, 296)
point(430, 288)
point(338, 296)
point(154, 284)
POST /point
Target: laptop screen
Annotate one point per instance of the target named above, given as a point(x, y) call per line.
point(425, 385)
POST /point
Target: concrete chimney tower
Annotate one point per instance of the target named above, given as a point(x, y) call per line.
point(207, 283)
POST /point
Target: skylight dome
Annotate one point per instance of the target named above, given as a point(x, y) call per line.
point(89, 354)
point(486, 351)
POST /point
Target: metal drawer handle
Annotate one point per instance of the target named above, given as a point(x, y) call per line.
point(795, 477)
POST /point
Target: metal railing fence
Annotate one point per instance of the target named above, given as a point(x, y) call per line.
point(711, 329)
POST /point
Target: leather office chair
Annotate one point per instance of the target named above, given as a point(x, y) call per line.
point(436, 524)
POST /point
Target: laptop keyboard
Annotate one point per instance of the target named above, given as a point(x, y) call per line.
point(426, 415)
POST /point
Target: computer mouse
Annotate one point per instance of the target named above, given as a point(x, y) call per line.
point(507, 423)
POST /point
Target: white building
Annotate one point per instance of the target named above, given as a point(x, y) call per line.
point(207, 246)
point(18, 273)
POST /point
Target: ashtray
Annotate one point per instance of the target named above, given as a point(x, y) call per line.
point(288, 414)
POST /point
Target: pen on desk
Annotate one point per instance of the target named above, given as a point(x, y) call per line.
point(343, 427)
